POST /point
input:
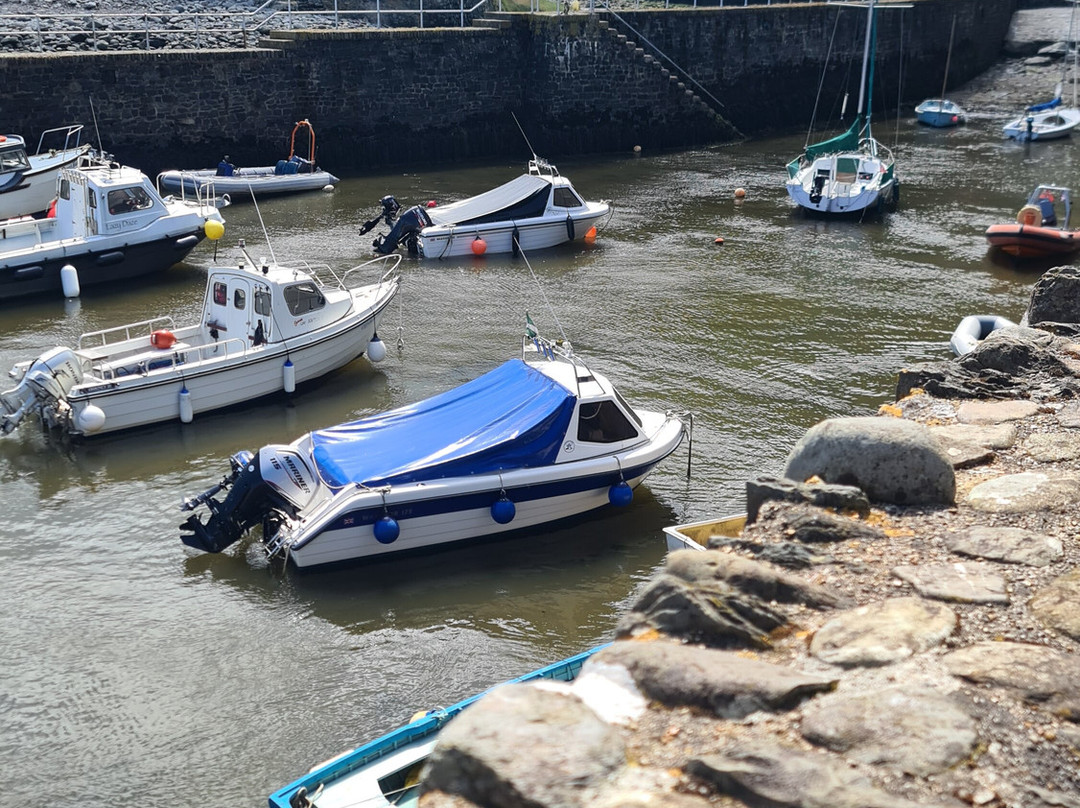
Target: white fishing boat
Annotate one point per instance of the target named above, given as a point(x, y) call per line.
point(263, 328)
point(109, 224)
point(535, 440)
point(386, 772)
point(539, 209)
point(852, 173)
point(28, 181)
point(290, 175)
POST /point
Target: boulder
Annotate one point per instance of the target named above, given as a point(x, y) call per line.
point(1055, 298)
point(891, 459)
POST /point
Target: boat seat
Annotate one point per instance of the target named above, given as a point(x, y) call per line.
point(144, 362)
point(846, 177)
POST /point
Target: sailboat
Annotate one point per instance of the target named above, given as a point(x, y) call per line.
point(852, 172)
point(940, 112)
point(1049, 120)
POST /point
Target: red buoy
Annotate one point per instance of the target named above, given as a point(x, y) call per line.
point(163, 339)
point(719, 240)
point(431, 203)
point(479, 246)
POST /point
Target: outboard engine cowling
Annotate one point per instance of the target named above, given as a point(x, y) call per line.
point(407, 230)
point(47, 380)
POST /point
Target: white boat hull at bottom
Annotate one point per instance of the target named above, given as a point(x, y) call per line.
point(454, 523)
point(457, 240)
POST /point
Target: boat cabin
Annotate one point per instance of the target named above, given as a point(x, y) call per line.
point(14, 161)
point(1054, 207)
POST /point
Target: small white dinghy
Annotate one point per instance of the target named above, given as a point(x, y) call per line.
point(262, 329)
point(535, 440)
point(973, 329)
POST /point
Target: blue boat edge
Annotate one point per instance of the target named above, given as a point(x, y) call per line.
point(565, 670)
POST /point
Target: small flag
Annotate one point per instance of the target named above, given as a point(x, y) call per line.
point(530, 329)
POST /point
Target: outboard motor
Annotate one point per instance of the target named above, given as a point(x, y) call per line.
point(390, 208)
point(817, 188)
point(47, 380)
point(278, 481)
point(406, 230)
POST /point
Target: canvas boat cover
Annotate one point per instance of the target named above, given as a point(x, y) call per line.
point(1045, 106)
point(846, 142)
point(521, 198)
point(513, 417)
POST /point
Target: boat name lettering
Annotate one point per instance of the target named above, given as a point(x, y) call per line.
point(97, 388)
point(120, 225)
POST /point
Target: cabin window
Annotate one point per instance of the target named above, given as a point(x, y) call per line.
point(565, 198)
point(304, 297)
point(14, 161)
point(65, 189)
point(221, 293)
point(126, 200)
point(239, 299)
point(626, 407)
point(262, 303)
point(603, 422)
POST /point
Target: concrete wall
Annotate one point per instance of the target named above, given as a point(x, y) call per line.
point(423, 97)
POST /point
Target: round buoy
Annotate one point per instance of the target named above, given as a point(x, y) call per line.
point(376, 349)
point(187, 412)
point(620, 494)
point(163, 339)
point(503, 510)
point(91, 419)
point(431, 203)
point(718, 240)
point(288, 373)
point(590, 235)
point(387, 530)
point(69, 280)
point(479, 246)
point(213, 229)
point(637, 149)
point(1029, 215)
point(740, 193)
point(328, 187)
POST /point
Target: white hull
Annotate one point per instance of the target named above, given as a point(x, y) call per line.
point(244, 376)
point(38, 186)
point(822, 187)
point(533, 234)
point(246, 181)
point(314, 545)
point(1049, 125)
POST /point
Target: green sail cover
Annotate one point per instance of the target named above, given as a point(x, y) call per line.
point(846, 142)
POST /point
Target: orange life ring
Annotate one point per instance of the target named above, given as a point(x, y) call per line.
point(163, 339)
point(1029, 215)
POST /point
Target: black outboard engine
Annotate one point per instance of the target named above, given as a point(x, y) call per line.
point(406, 231)
point(816, 189)
point(246, 505)
point(390, 208)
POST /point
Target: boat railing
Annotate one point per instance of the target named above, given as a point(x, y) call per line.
point(107, 336)
point(202, 193)
point(388, 273)
point(71, 134)
point(141, 362)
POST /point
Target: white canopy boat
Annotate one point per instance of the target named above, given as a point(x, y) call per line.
point(293, 174)
point(28, 181)
point(385, 772)
point(263, 328)
point(109, 224)
point(537, 439)
point(538, 209)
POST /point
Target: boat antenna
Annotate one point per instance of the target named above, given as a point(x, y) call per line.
point(262, 224)
point(543, 294)
point(97, 134)
point(527, 143)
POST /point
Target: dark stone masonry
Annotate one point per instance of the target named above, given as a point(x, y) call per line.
point(578, 83)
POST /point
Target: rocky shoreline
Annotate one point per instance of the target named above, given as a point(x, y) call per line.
point(913, 639)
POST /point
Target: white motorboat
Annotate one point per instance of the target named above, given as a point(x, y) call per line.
point(28, 181)
point(290, 175)
point(974, 328)
point(385, 772)
point(109, 224)
point(263, 328)
point(537, 439)
point(539, 209)
point(851, 173)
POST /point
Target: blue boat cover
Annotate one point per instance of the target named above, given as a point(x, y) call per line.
point(513, 417)
point(1045, 106)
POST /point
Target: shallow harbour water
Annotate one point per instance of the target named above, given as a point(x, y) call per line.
point(138, 671)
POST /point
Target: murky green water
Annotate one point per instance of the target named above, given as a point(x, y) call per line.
point(136, 671)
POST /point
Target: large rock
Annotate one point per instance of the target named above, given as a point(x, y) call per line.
point(1026, 492)
point(843, 498)
point(1055, 298)
point(480, 756)
point(891, 459)
point(723, 682)
point(915, 729)
point(884, 632)
point(1057, 605)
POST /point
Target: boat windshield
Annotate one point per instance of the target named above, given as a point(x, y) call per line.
point(14, 159)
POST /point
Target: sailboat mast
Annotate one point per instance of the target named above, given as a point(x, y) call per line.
point(948, 58)
point(866, 55)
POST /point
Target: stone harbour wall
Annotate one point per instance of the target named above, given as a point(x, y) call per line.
point(410, 97)
point(897, 625)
